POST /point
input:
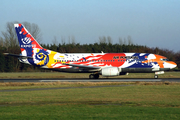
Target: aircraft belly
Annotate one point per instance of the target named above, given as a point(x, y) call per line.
point(142, 70)
point(137, 70)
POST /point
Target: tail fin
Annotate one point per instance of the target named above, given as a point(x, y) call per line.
point(30, 48)
point(26, 40)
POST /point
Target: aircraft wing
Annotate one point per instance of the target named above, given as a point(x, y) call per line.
point(19, 56)
point(84, 66)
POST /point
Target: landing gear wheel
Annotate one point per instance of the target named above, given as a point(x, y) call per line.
point(156, 76)
point(91, 76)
point(96, 76)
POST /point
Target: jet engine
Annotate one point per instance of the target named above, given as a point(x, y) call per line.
point(112, 71)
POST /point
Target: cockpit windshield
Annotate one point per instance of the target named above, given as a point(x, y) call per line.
point(164, 59)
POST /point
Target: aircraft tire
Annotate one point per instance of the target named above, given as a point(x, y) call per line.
point(91, 76)
point(156, 76)
point(96, 76)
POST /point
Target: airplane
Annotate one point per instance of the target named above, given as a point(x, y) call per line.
point(105, 64)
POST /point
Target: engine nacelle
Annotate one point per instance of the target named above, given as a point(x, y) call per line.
point(112, 71)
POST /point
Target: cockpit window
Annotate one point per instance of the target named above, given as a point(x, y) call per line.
point(163, 59)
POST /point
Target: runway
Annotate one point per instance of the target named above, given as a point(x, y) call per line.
point(92, 80)
point(81, 80)
point(35, 89)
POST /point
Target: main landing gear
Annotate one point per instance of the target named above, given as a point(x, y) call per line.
point(94, 76)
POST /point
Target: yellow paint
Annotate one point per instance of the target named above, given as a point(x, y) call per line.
point(37, 50)
point(51, 59)
point(42, 62)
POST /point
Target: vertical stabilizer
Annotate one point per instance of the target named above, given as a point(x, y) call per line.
point(26, 40)
point(36, 55)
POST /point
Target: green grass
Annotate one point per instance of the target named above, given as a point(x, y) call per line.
point(141, 95)
point(122, 102)
point(84, 112)
point(41, 75)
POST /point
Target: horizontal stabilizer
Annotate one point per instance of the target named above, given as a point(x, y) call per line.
point(19, 56)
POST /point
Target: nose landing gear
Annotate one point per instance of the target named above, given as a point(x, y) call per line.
point(156, 76)
point(158, 73)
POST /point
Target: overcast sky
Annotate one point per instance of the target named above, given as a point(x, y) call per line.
point(154, 23)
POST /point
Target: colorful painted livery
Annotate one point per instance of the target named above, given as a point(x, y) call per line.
point(105, 64)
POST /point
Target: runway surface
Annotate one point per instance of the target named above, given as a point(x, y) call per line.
point(92, 80)
point(34, 89)
point(81, 80)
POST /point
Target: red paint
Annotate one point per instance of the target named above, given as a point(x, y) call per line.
point(107, 56)
point(22, 49)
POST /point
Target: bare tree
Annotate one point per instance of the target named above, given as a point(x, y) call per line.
point(73, 40)
point(125, 42)
point(120, 41)
point(129, 40)
point(102, 39)
point(63, 40)
point(1, 42)
point(34, 30)
point(10, 41)
point(54, 41)
point(109, 39)
point(9, 37)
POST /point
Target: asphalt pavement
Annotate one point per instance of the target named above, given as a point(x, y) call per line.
point(92, 80)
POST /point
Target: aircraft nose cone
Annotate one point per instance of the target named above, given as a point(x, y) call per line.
point(169, 64)
point(173, 65)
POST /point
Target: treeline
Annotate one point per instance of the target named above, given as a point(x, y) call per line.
point(9, 44)
point(11, 64)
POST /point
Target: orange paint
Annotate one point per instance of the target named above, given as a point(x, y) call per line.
point(158, 57)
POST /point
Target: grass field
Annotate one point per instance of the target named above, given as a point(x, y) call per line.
point(26, 75)
point(138, 100)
